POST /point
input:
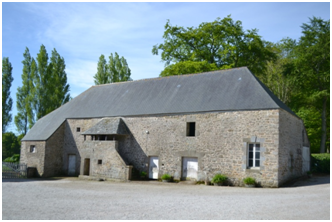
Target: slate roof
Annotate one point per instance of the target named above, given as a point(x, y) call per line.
point(108, 126)
point(223, 90)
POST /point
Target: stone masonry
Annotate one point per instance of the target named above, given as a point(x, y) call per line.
point(220, 146)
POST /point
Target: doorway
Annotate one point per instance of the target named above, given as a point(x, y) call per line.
point(86, 167)
point(153, 167)
point(71, 165)
point(189, 168)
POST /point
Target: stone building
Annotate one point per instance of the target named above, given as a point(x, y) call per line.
point(189, 126)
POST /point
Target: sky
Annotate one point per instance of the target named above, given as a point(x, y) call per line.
point(81, 32)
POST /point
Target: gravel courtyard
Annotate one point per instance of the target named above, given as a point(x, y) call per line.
point(71, 198)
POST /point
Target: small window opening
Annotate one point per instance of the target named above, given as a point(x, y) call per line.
point(191, 127)
point(78, 129)
point(84, 137)
point(32, 149)
point(100, 161)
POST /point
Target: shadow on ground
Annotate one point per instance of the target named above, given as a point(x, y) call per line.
point(35, 179)
point(317, 179)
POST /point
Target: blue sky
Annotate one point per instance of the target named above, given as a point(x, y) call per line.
point(81, 32)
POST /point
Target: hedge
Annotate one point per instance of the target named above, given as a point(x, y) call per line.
point(320, 162)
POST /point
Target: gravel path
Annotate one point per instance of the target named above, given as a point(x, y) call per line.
point(71, 198)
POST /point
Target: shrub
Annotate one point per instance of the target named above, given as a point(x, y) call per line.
point(249, 181)
point(219, 178)
point(143, 174)
point(13, 159)
point(166, 177)
point(320, 162)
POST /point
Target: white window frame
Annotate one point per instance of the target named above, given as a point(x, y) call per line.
point(254, 156)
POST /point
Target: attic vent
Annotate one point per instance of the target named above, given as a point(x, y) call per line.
point(78, 129)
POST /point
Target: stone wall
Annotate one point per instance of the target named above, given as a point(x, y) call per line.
point(53, 153)
point(36, 159)
point(104, 160)
point(73, 140)
point(218, 144)
point(291, 141)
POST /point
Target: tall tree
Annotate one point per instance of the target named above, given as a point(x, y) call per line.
point(102, 76)
point(7, 101)
point(279, 73)
point(59, 87)
point(118, 68)
point(50, 82)
point(42, 82)
point(313, 64)
point(222, 42)
point(24, 118)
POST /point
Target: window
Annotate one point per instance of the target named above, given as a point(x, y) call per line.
point(191, 127)
point(100, 161)
point(32, 149)
point(254, 155)
point(84, 137)
point(78, 129)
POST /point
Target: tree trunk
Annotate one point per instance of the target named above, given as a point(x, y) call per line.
point(323, 138)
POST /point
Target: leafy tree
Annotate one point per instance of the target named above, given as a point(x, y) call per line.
point(59, 86)
point(50, 82)
point(42, 84)
point(187, 67)
point(118, 68)
point(222, 42)
point(24, 118)
point(7, 101)
point(10, 144)
point(102, 75)
point(313, 65)
point(279, 73)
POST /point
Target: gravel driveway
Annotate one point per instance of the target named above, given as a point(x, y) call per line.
point(71, 198)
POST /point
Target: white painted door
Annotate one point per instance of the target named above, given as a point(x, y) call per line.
point(305, 159)
point(153, 167)
point(71, 165)
point(189, 168)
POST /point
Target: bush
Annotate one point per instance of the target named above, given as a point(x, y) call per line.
point(219, 178)
point(13, 159)
point(166, 177)
point(320, 162)
point(249, 181)
point(143, 174)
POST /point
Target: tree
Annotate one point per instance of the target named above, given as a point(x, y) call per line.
point(187, 67)
point(221, 42)
point(7, 101)
point(118, 68)
point(59, 87)
point(102, 75)
point(50, 83)
point(24, 118)
point(313, 66)
point(42, 84)
point(279, 73)
point(10, 144)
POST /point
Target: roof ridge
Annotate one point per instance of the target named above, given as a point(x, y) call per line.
point(173, 76)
